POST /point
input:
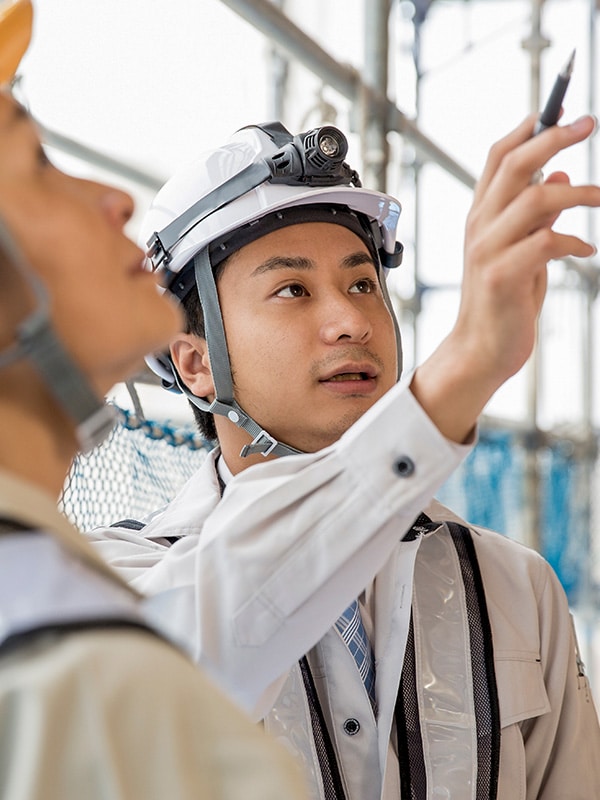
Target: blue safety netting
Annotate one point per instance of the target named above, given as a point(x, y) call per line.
point(138, 469)
point(143, 464)
point(497, 486)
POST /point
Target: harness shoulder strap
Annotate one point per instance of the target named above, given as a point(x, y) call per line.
point(138, 525)
point(131, 524)
point(26, 637)
point(329, 767)
point(422, 718)
point(485, 688)
point(333, 786)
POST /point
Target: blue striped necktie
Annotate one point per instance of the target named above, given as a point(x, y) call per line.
point(350, 627)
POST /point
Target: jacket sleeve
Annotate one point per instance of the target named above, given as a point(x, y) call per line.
point(257, 580)
point(562, 746)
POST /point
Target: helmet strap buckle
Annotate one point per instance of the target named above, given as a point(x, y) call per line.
point(262, 443)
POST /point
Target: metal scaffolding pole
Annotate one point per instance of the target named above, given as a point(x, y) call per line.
point(373, 125)
point(268, 19)
point(279, 72)
point(534, 44)
point(98, 159)
point(417, 166)
point(591, 286)
point(590, 280)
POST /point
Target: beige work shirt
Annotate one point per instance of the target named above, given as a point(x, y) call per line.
point(119, 713)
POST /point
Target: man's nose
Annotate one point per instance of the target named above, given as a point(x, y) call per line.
point(344, 321)
point(118, 206)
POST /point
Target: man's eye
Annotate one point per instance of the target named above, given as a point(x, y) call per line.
point(293, 290)
point(364, 286)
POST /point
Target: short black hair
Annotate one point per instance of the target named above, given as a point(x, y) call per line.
point(194, 323)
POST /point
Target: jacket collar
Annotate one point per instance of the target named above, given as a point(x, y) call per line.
point(188, 510)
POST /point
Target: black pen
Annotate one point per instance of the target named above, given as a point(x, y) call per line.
point(551, 112)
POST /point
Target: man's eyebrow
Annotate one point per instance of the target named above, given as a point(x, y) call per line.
point(284, 262)
point(357, 259)
point(300, 263)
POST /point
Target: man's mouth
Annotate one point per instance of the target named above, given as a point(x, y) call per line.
point(350, 376)
point(351, 379)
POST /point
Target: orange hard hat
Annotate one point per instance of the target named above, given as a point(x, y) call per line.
point(16, 22)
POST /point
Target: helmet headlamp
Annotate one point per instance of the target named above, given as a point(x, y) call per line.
point(314, 158)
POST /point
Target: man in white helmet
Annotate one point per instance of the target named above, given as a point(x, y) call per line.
point(94, 703)
point(397, 651)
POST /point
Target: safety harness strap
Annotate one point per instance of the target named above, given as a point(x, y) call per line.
point(23, 638)
point(485, 689)
point(449, 730)
point(442, 749)
point(333, 788)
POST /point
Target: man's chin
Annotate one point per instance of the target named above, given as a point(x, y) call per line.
point(328, 435)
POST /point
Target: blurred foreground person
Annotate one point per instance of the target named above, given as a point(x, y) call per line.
point(94, 704)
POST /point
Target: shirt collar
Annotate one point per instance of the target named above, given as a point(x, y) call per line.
point(223, 470)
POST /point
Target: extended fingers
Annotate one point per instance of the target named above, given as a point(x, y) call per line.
point(499, 150)
point(540, 205)
point(541, 246)
point(516, 158)
point(550, 244)
point(537, 206)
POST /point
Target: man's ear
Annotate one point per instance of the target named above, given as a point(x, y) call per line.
point(190, 356)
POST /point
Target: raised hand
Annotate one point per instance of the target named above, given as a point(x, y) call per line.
point(508, 243)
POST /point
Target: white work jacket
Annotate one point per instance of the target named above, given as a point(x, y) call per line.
point(257, 578)
point(258, 575)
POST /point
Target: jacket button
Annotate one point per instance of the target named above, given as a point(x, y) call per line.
point(351, 726)
point(404, 466)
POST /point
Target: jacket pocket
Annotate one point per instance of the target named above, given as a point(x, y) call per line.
point(521, 696)
point(521, 690)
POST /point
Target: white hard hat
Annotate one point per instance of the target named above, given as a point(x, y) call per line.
point(203, 185)
point(263, 178)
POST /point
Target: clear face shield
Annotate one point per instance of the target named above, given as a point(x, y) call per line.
point(35, 340)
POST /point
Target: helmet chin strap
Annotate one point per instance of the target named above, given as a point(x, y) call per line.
point(224, 402)
point(37, 341)
point(93, 418)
